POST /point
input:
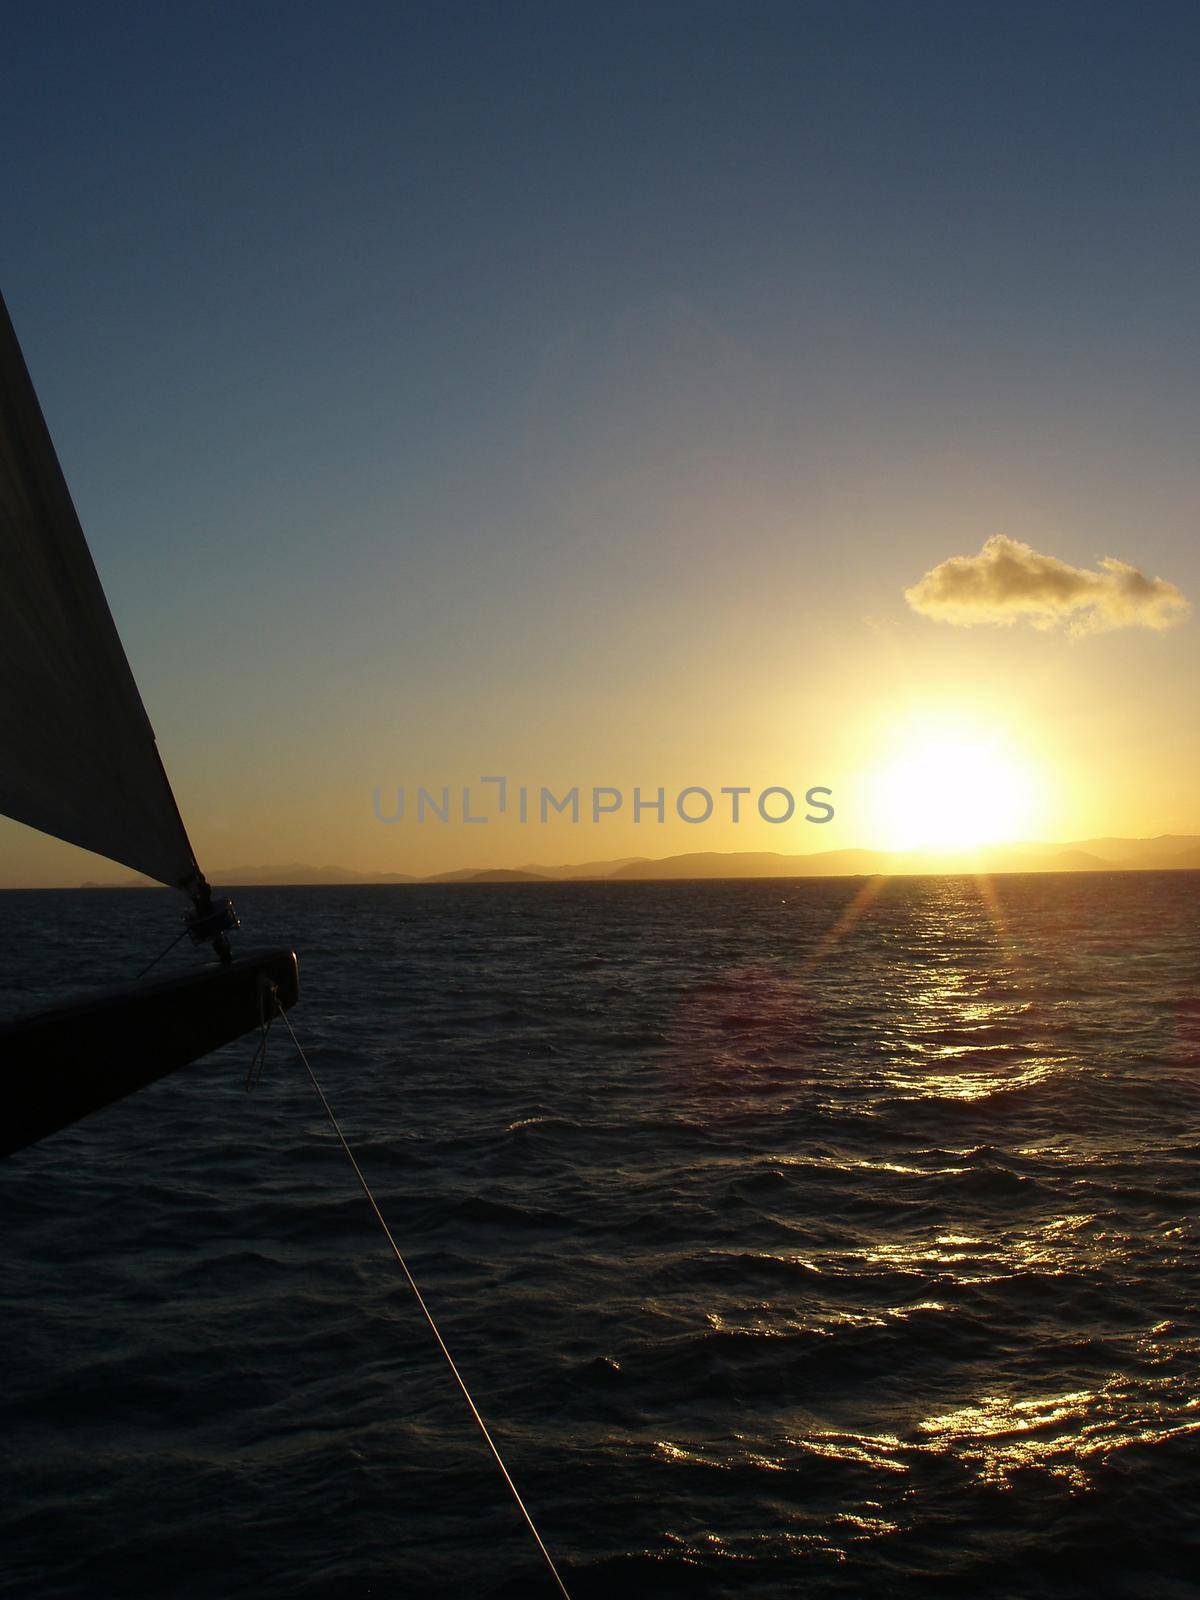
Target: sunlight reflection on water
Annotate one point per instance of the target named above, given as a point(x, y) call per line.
point(828, 1243)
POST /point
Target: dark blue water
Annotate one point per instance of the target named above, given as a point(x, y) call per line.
point(820, 1238)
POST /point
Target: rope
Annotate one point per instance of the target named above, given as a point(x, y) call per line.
point(258, 1060)
point(162, 953)
point(428, 1315)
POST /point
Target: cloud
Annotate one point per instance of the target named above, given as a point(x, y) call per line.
point(1010, 582)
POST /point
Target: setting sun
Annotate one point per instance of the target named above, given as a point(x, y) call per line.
point(952, 788)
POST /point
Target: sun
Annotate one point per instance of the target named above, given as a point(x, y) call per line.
point(952, 787)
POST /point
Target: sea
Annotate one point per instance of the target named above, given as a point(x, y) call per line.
point(829, 1237)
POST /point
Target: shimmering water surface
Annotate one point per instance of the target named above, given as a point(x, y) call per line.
point(797, 1238)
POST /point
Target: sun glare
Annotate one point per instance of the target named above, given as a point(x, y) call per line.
point(951, 788)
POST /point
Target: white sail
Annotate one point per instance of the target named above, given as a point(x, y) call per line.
point(77, 753)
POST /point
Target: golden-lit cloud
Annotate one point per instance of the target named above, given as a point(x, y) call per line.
point(1011, 582)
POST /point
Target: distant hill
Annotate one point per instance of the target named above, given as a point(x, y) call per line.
point(1178, 851)
point(1167, 852)
point(489, 875)
point(296, 872)
point(753, 864)
point(1163, 851)
point(584, 869)
point(291, 873)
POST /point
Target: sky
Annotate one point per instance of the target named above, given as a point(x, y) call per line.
point(594, 395)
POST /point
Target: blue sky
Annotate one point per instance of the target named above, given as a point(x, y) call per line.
point(443, 386)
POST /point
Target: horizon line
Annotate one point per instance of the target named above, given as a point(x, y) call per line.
point(925, 861)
